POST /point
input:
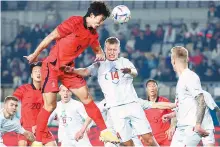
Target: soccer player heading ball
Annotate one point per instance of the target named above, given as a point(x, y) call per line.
point(72, 37)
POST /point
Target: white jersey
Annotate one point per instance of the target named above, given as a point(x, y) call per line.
point(9, 125)
point(117, 87)
point(71, 117)
point(188, 87)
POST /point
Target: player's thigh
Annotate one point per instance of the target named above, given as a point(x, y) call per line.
point(209, 141)
point(191, 138)
point(121, 122)
point(22, 143)
point(177, 140)
point(139, 121)
point(22, 140)
point(82, 94)
point(50, 100)
point(49, 78)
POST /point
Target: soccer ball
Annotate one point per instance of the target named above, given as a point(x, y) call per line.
point(121, 14)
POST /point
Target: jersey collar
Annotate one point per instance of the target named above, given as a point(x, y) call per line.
point(32, 85)
point(156, 99)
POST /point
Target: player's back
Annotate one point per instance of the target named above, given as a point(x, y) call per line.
point(31, 103)
point(71, 117)
point(117, 87)
point(154, 117)
point(74, 39)
point(188, 87)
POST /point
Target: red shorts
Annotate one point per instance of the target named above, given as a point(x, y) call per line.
point(47, 137)
point(162, 139)
point(50, 76)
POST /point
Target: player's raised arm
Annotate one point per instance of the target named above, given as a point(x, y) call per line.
point(163, 105)
point(47, 40)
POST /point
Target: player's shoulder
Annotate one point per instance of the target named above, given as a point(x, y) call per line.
point(123, 60)
point(163, 99)
point(76, 19)
point(189, 74)
point(25, 86)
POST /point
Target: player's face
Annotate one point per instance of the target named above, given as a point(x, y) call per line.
point(112, 51)
point(65, 94)
point(173, 61)
point(96, 21)
point(152, 89)
point(11, 107)
point(36, 74)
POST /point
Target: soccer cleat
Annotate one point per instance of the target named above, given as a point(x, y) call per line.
point(37, 144)
point(108, 136)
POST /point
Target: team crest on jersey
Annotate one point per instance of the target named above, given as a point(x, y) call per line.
point(65, 119)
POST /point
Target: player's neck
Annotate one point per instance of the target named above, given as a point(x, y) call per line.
point(153, 98)
point(181, 68)
point(6, 114)
point(36, 85)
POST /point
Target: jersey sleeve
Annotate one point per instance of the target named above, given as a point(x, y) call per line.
point(52, 116)
point(129, 64)
point(68, 26)
point(193, 85)
point(19, 92)
point(18, 128)
point(145, 104)
point(93, 69)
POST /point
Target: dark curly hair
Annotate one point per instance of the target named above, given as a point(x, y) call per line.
point(98, 8)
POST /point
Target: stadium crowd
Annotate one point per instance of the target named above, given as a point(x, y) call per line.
point(148, 49)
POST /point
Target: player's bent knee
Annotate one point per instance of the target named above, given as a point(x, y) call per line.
point(22, 143)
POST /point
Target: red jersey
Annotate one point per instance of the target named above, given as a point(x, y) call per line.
point(31, 103)
point(154, 117)
point(74, 39)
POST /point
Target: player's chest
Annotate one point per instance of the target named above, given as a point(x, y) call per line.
point(33, 97)
point(154, 115)
point(112, 74)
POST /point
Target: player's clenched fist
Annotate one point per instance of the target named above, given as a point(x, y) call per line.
point(126, 70)
point(30, 136)
point(67, 69)
point(31, 58)
point(100, 57)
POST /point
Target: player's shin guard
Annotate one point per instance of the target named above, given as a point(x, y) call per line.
point(42, 120)
point(94, 113)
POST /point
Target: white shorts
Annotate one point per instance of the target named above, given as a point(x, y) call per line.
point(2, 145)
point(129, 118)
point(209, 139)
point(73, 143)
point(185, 136)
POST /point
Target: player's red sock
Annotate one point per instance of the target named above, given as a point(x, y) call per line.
point(94, 113)
point(42, 120)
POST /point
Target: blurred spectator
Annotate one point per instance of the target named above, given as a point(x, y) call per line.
point(52, 17)
point(209, 75)
point(104, 34)
point(140, 43)
point(130, 44)
point(22, 5)
point(194, 30)
point(149, 36)
point(183, 35)
point(197, 58)
point(136, 30)
point(212, 12)
point(116, 30)
point(170, 34)
point(159, 33)
point(4, 5)
point(216, 35)
point(123, 41)
point(216, 53)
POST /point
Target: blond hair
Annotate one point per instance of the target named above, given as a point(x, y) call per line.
point(180, 53)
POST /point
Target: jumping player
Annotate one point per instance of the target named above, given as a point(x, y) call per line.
point(115, 77)
point(162, 132)
point(72, 37)
point(31, 103)
point(8, 121)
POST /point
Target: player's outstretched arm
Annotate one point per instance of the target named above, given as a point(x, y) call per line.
point(80, 133)
point(163, 105)
point(47, 40)
point(167, 117)
point(100, 56)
